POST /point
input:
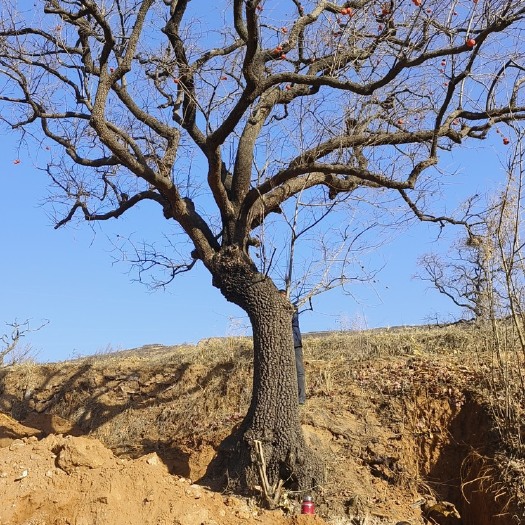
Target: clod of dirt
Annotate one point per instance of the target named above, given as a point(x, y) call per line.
point(82, 452)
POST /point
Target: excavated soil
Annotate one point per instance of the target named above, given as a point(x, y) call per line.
point(77, 481)
point(126, 439)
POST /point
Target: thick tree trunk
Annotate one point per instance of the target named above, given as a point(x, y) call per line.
point(273, 415)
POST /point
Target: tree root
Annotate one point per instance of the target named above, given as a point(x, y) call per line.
point(272, 493)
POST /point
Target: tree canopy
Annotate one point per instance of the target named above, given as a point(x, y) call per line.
point(222, 114)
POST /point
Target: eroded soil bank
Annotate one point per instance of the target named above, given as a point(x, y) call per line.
point(457, 454)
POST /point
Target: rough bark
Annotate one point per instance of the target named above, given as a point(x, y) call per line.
point(273, 415)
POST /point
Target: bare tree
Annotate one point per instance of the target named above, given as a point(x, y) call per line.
point(222, 115)
point(461, 276)
point(484, 271)
point(313, 255)
point(12, 351)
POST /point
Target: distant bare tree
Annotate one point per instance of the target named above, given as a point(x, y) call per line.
point(484, 271)
point(223, 114)
point(12, 351)
point(461, 276)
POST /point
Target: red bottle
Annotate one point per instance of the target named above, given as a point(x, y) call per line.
point(308, 506)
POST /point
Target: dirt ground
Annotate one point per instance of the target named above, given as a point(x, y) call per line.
point(77, 481)
point(126, 440)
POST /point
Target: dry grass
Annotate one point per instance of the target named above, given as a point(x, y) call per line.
point(223, 366)
point(369, 344)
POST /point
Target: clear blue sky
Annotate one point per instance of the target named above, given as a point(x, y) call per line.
point(67, 277)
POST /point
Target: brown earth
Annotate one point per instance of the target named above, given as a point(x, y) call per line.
point(76, 480)
point(126, 438)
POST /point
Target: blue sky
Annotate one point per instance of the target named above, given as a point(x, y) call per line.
point(67, 276)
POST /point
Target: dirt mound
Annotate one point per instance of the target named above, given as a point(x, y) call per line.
point(76, 480)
